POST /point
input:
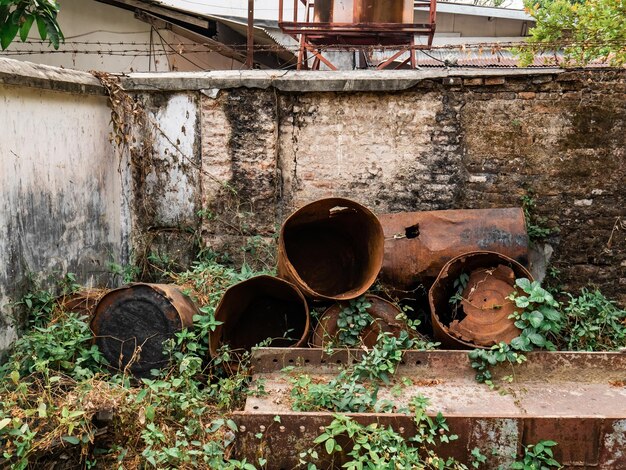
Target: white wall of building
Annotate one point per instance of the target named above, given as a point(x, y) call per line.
point(60, 190)
point(88, 21)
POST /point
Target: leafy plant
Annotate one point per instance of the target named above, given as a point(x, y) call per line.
point(20, 15)
point(127, 273)
point(538, 318)
point(593, 323)
point(352, 320)
point(537, 457)
point(584, 30)
point(377, 447)
point(64, 345)
point(535, 225)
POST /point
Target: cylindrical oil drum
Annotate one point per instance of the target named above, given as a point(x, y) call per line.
point(130, 325)
point(418, 244)
point(468, 301)
point(385, 320)
point(331, 249)
point(261, 310)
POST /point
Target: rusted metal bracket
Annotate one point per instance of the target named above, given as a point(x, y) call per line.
point(575, 399)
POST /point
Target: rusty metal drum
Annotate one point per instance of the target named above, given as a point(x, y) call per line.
point(331, 249)
point(384, 313)
point(130, 325)
point(363, 11)
point(418, 244)
point(480, 316)
point(262, 309)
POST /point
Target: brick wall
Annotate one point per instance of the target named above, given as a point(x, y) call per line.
point(476, 140)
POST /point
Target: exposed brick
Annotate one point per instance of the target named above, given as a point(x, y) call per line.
point(437, 148)
point(495, 81)
point(527, 95)
point(542, 79)
point(472, 81)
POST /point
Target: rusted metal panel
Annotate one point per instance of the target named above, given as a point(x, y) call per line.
point(386, 11)
point(384, 313)
point(418, 244)
point(486, 308)
point(130, 324)
point(258, 309)
point(570, 398)
point(331, 249)
point(482, 319)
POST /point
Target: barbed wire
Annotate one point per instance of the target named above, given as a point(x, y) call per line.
point(180, 49)
point(350, 47)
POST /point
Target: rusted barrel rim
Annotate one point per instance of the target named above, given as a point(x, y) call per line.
point(439, 329)
point(317, 339)
point(292, 274)
point(184, 307)
point(215, 336)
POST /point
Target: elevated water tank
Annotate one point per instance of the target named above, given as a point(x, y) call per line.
point(363, 11)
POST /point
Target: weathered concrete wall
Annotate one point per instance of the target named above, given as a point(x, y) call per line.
point(421, 140)
point(60, 193)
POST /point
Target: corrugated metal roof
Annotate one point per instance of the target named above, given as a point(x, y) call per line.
point(486, 58)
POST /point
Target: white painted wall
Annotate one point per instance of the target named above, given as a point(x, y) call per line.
point(60, 192)
point(90, 21)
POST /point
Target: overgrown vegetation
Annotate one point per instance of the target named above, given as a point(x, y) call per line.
point(59, 400)
point(538, 318)
point(593, 323)
point(353, 319)
point(536, 226)
point(584, 30)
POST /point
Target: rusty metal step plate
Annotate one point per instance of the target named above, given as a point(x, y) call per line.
point(575, 399)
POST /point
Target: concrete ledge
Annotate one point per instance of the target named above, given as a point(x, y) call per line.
point(28, 74)
point(311, 81)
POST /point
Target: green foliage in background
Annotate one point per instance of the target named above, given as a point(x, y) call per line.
point(584, 30)
point(593, 323)
point(18, 16)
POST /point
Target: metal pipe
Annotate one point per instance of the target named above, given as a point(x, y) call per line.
point(259, 310)
point(250, 45)
point(384, 313)
point(418, 244)
point(331, 249)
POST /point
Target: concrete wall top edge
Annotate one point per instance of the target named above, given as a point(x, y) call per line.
point(28, 74)
point(311, 81)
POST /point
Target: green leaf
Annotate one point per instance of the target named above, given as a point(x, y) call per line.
point(71, 439)
point(330, 446)
point(4, 422)
point(149, 411)
point(535, 318)
point(522, 302)
point(537, 339)
point(25, 28)
point(43, 29)
point(524, 284)
point(7, 34)
point(520, 342)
